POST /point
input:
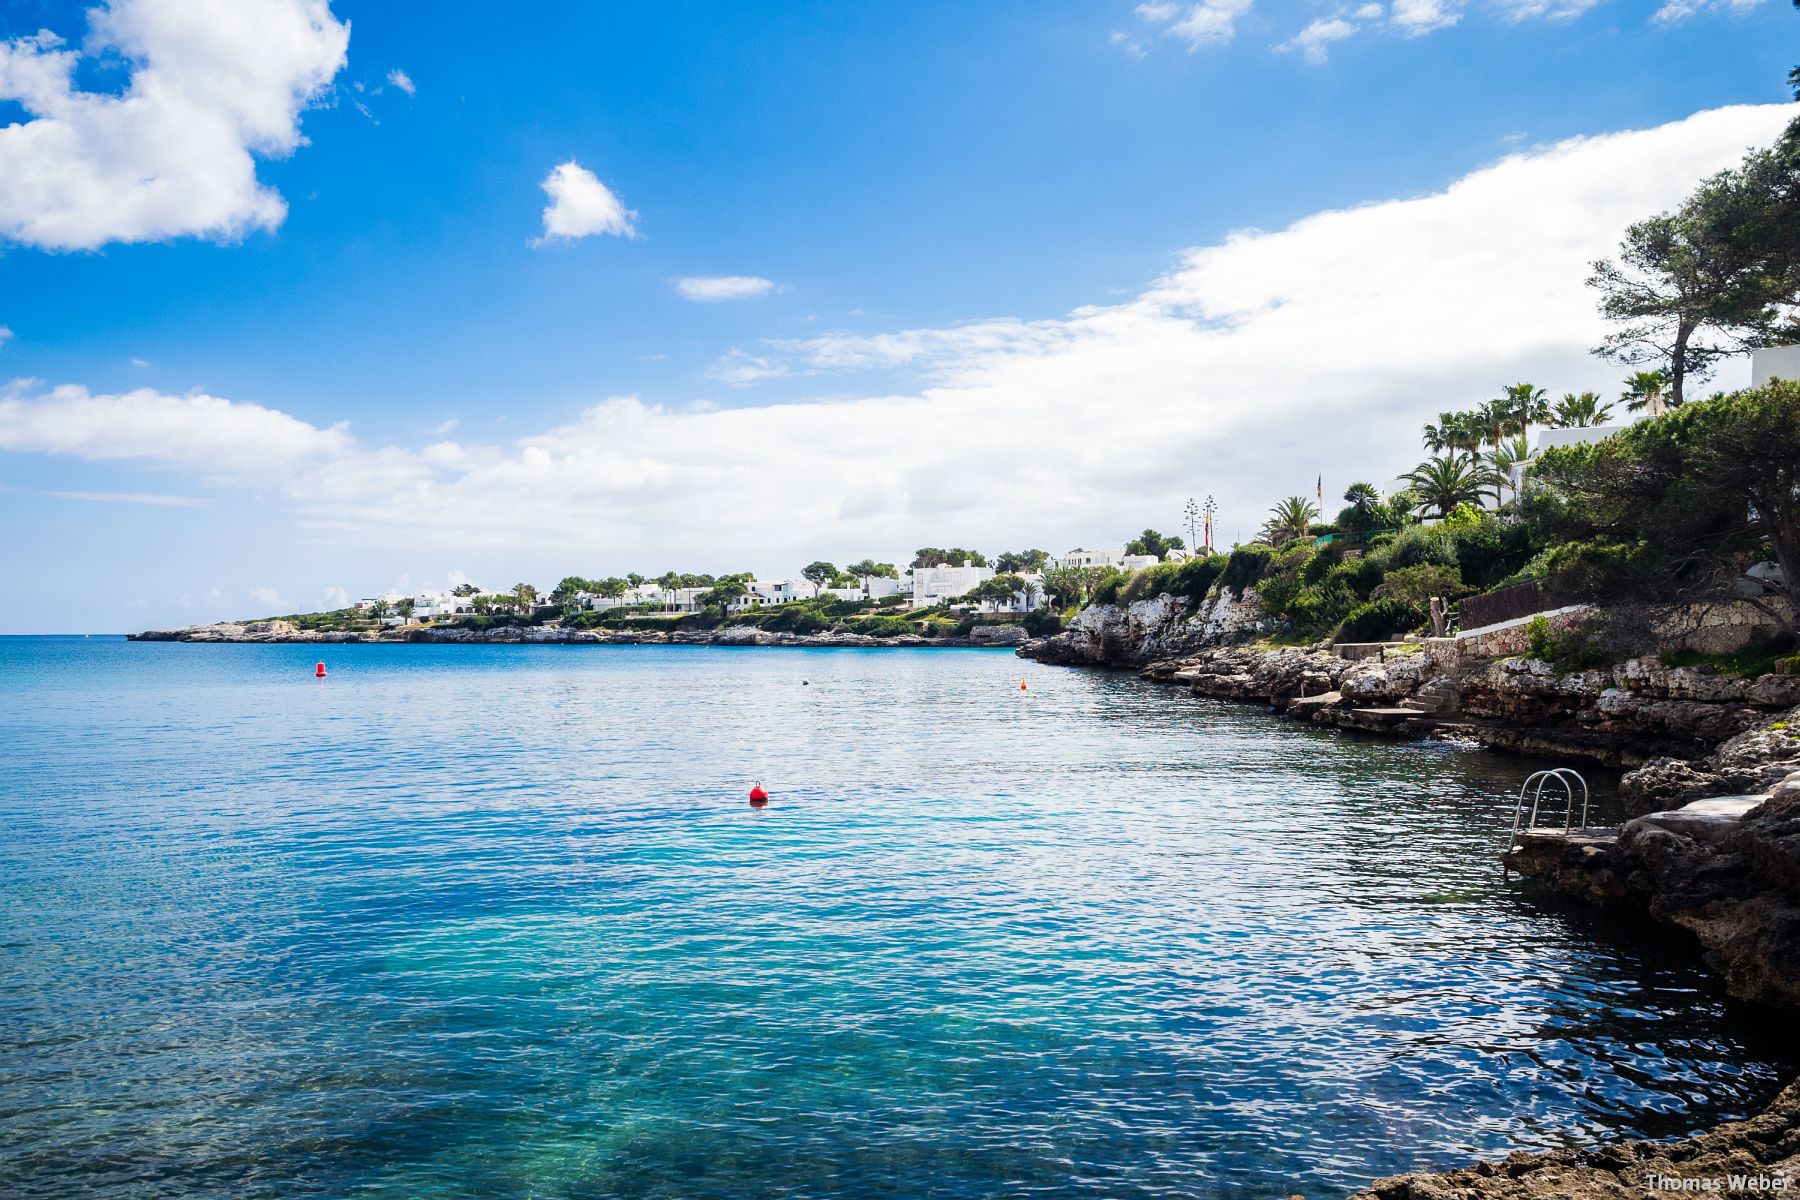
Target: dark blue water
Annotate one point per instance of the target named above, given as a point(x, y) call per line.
point(498, 921)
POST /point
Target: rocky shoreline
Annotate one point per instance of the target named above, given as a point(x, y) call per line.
point(254, 632)
point(1762, 1154)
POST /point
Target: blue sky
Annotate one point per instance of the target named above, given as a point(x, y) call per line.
point(1004, 302)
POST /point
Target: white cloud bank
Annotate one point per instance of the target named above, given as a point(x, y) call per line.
point(581, 206)
point(213, 83)
point(706, 289)
point(1249, 368)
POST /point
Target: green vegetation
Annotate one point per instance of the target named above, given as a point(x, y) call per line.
point(1713, 278)
point(1154, 544)
point(1752, 662)
point(1680, 508)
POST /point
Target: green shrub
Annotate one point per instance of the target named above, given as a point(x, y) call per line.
point(1320, 608)
point(1158, 580)
point(1106, 590)
point(1195, 577)
point(1277, 592)
point(1418, 544)
point(1490, 550)
point(883, 627)
point(1042, 622)
point(1320, 564)
point(1418, 584)
point(1246, 567)
point(1380, 621)
point(1361, 575)
point(1576, 649)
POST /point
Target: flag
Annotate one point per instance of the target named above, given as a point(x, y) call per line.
point(1320, 490)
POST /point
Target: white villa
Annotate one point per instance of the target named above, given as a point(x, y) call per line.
point(425, 605)
point(1079, 559)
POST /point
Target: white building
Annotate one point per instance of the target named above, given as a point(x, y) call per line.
point(1776, 362)
point(941, 585)
point(880, 587)
point(1080, 559)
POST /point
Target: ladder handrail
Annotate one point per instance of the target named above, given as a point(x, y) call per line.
point(1535, 783)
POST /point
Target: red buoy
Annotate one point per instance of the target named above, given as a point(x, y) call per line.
point(319, 671)
point(758, 797)
point(1022, 685)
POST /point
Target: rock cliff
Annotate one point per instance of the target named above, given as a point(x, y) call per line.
point(1147, 631)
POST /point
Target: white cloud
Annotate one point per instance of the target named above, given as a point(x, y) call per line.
point(336, 597)
point(1315, 40)
point(1251, 366)
point(213, 83)
point(1125, 42)
point(1680, 10)
point(403, 81)
point(224, 439)
point(581, 206)
point(267, 597)
point(740, 369)
point(710, 288)
point(5, 335)
point(1551, 10)
point(1207, 23)
point(1415, 18)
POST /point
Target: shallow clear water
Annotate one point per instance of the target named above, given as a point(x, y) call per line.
point(498, 920)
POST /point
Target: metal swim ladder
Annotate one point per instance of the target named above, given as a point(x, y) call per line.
point(1534, 785)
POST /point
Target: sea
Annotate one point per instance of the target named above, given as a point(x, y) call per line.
point(501, 921)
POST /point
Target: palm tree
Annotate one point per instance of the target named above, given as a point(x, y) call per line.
point(1497, 421)
point(1064, 584)
point(1455, 431)
point(378, 609)
point(1648, 390)
point(524, 596)
point(1525, 404)
point(1447, 481)
point(1580, 412)
point(1512, 452)
point(1290, 520)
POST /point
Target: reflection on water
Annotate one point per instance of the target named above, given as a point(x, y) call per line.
point(499, 920)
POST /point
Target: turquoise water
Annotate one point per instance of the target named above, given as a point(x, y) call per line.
point(498, 921)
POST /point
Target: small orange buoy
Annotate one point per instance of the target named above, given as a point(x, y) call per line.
point(758, 797)
point(319, 671)
point(1022, 685)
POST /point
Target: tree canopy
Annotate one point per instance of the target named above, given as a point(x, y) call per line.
point(1716, 277)
point(1681, 507)
point(1154, 544)
point(932, 556)
point(1014, 561)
